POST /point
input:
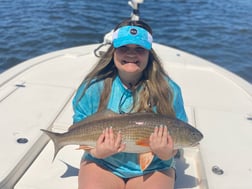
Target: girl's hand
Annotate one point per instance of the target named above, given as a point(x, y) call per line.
point(108, 144)
point(161, 143)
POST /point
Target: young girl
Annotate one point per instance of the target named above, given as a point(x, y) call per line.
point(128, 78)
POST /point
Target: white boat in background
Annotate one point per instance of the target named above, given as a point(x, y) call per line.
point(37, 94)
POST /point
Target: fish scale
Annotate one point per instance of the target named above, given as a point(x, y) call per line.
point(136, 129)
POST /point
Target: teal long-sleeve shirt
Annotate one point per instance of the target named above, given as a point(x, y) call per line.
point(123, 164)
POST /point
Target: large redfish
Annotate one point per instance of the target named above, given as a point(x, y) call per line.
point(136, 129)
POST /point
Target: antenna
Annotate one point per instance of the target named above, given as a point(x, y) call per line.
point(135, 6)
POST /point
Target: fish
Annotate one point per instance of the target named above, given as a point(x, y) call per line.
point(135, 128)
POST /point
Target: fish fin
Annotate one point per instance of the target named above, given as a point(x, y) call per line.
point(83, 147)
point(99, 115)
point(56, 138)
point(145, 159)
point(143, 142)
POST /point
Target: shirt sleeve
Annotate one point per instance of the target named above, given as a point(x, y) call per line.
point(86, 104)
point(178, 103)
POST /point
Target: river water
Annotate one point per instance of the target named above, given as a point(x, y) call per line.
point(219, 31)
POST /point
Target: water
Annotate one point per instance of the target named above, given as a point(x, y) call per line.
point(219, 31)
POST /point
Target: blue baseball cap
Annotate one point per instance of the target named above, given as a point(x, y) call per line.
point(132, 35)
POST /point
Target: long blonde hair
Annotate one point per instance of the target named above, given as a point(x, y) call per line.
point(156, 91)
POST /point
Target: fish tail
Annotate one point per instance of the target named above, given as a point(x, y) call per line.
point(55, 137)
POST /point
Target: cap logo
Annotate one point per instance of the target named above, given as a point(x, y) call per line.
point(133, 31)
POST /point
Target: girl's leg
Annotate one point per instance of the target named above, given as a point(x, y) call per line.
point(157, 180)
point(91, 176)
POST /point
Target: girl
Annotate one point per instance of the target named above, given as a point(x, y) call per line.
point(128, 78)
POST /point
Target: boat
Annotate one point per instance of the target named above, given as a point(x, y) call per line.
point(37, 94)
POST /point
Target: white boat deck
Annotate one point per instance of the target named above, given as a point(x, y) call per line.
point(37, 94)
